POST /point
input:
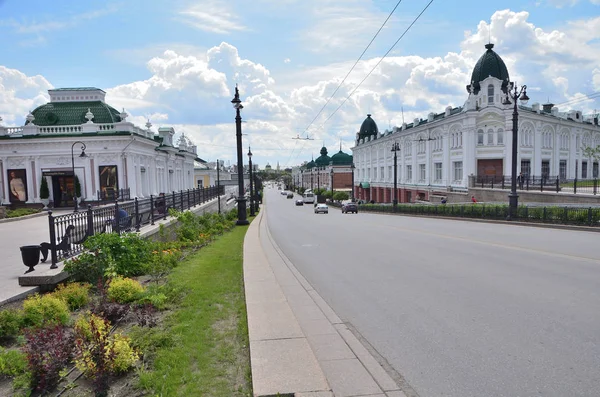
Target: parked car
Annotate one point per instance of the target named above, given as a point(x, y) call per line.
point(283, 192)
point(290, 195)
point(349, 207)
point(299, 202)
point(322, 208)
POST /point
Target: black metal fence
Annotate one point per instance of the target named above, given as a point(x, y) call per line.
point(113, 195)
point(540, 183)
point(556, 215)
point(68, 232)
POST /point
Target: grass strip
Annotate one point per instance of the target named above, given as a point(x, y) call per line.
point(209, 355)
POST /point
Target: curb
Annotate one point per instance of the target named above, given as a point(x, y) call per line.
point(18, 218)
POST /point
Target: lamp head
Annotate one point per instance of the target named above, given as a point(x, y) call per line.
point(237, 103)
point(524, 98)
point(506, 100)
point(249, 152)
point(83, 153)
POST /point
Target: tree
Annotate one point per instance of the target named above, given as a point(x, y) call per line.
point(340, 196)
point(77, 187)
point(590, 152)
point(44, 191)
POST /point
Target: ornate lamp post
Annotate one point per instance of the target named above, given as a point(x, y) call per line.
point(331, 184)
point(352, 168)
point(241, 200)
point(83, 147)
point(250, 174)
point(513, 197)
point(218, 187)
point(312, 187)
point(395, 149)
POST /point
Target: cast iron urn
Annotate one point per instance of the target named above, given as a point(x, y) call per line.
point(31, 256)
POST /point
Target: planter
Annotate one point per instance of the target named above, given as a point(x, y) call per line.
point(45, 201)
point(31, 256)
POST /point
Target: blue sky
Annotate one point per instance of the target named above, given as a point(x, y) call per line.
point(177, 62)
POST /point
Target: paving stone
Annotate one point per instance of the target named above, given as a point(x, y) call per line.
point(349, 378)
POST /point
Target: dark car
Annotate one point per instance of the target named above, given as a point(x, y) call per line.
point(299, 202)
point(349, 207)
point(290, 195)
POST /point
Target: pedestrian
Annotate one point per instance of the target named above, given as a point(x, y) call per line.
point(520, 179)
point(473, 199)
point(444, 200)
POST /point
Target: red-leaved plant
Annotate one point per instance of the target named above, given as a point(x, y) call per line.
point(48, 351)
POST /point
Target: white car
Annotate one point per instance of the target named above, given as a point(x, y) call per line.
point(322, 208)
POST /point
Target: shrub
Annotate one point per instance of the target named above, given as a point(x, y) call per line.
point(12, 362)
point(103, 307)
point(124, 290)
point(44, 191)
point(21, 212)
point(11, 321)
point(48, 351)
point(40, 310)
point(100, 354)
point(76, 295)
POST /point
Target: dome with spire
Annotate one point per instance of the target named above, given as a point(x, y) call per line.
point(310, 164)
point(490, 64)
point(341, 158)
point(368, 128)
point(323, 160)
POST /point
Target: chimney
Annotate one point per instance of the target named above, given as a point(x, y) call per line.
point(548, 107)
point(535, 107)
point(554, 111)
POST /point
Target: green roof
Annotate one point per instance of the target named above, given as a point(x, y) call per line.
point(323, 159)
point(73, 113)
point(368, 128)
point(341, 158)
point(77, 89)
point(490, 64)
point(365, 185)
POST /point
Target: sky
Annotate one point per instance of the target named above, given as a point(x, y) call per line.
point(176, 63)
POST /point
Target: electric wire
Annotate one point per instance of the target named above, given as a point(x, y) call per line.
point(353, 66)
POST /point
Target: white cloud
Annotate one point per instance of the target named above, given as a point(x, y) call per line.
point(287, 60)
point(19, 94)
point(212, 16)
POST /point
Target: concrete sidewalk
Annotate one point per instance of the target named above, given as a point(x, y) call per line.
point(298, 345)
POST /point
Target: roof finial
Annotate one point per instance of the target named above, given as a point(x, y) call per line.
point(340, 144)
point(489, 46)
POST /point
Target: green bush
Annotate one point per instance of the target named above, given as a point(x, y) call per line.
point(76, 295)
point(11, 321)
point(42, 310)
point(21, 212)
point(44, 191)
point(12, 362)
point(124, 290)
point(340, 196)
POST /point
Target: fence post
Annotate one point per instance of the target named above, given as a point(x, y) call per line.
point(174, 200)
point(557, 185)
point(590, 216)
point(527, 187)
point(502, 182)
point(116, 220)
point(575, 186)
point(181, 197)
point(544, 215)
point(52, 240)
point(188, 199)
point(541, 184)
point(137, 215)
point(152, 209)
point(90, 221)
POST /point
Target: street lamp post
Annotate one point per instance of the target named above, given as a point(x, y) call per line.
point(352, 168)
point(332, 184)
point(312, 187)
point(395, 149)
point(251, 190)
point(318, 178)
point(83, 147)
point(241, 200)
point(218, 187)
point(517, 93)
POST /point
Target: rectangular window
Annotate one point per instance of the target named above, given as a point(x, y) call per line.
point(490, 138)
point(390, 175)
point(438, 172)
point(375, 173)
point(563, 169)
point(422, 176)
point(381, 176)
point(526, 168)
point(545, 169)
point(457, 171)
point(500, 137)
point(480, 137)
point(409, 173)
point(200, 183)
point(584, 173)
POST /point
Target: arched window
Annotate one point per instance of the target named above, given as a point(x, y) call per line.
point(490, 93)
point(500, 136)
point(480, 137)
point(490, 137)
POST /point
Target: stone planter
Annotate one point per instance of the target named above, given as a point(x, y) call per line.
point(31, 256)
point(45, 202)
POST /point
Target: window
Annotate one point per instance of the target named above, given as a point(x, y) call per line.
point(545, 169)
point(390, 176)
point(584, 173)
point(500, 136)
point(480, 137)
point(563, 169)
point(375, 173)
point(200, 183)
point(457, 168)
point(381, 176)
point(490, 136)
point(422, 175)
point(409, 173)
point(438, 172)
point(421, 146)
point(595, 170)
point(526, 167)
point(490, 93)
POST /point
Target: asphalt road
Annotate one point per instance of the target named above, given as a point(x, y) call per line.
point(457, 308)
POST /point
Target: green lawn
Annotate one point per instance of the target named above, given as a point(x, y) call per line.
point(203, 346)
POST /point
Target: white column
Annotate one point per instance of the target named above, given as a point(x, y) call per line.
point(446, 163)
point(556, 154)
point(415, 171)
point(469, 149)
point(536, 162)
point(428, 160)
point(572, 156)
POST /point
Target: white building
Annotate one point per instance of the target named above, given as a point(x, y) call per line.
point(118, 154)
point(443, 150)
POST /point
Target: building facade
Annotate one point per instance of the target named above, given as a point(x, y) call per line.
point(77, 136)
point(442, 151)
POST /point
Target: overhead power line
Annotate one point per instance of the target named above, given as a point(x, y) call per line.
point(377, 64)
point(353, 66)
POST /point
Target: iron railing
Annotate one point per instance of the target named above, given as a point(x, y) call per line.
point(69, 232)
point(558, 215)
point(540, 183)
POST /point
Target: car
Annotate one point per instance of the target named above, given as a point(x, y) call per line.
point(299, 202)
point(349, 207)
point(283, 192)
point(290, 195)
point(321, 208)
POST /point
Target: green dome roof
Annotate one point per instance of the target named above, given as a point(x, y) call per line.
point(73, 113)
point(323, 160)
point(490, 64)
point(341, 158)
point(368, 128)
point(310, 164)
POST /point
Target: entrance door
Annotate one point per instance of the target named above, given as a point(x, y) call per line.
point(63, 190)
point(490, 170)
